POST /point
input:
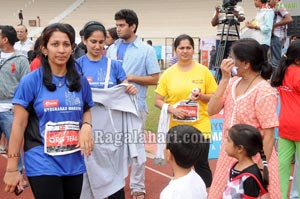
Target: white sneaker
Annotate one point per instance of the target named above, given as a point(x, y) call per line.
point(2, 149)
point(291, 178)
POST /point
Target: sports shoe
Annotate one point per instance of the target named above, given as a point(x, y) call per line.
point(138, 195)
point(2, 149)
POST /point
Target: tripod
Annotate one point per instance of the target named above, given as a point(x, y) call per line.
point(230, 21)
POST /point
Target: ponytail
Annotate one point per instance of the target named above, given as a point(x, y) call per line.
point(277, 78)
point(265, 168)
point(266, 70)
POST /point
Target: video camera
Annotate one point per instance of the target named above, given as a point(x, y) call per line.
point(228, 6)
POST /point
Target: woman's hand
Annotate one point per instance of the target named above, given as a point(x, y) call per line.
point(226, 66)
point(86, 140)
point(196, 94)
point(131, 89)
point(12, 180)
point(178, 112)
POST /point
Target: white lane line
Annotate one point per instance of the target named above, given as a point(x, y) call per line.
point(151, 157)
point(158, 172)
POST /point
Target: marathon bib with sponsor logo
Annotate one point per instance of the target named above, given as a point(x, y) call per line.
point(61, 138)
point(192, 109)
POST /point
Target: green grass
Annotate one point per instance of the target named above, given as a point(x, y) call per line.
point(154, 112)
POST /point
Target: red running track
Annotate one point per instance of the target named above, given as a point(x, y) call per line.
point(157, 177)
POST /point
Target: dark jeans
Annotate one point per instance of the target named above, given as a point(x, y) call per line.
point(265, 50)
point(202, 166)
point(118, 195)
point(50, 187)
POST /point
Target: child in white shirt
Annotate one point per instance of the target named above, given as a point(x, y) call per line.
point(184, 146)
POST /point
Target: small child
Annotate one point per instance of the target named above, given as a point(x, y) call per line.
point(184, 146)
point(245, 179)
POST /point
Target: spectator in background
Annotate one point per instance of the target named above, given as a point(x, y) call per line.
point(35, 55)
point(158, 53)
point(81, 44)
point(77, 52)
point(279, 34)
point(111, 37)
point(21, 17)
point(213, 55)
point(262, 25)
point(14, 66)
point(149, 42)
point(292, 39)
point(24, 44)
point(219, 19)
point(173, 60)
point(140, 64)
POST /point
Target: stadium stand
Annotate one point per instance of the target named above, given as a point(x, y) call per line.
point(167, 18)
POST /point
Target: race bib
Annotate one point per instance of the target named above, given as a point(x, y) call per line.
point(61, 138)
point(192, 109)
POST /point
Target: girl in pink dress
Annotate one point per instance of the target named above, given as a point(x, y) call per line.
point(246, 99)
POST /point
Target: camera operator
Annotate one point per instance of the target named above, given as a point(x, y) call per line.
point(220, 19)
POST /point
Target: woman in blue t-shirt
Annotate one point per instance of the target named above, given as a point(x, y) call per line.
point(101, 73)
point(52, 112)
point(95, 66)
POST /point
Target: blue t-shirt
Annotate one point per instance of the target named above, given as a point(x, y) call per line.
point(95, 71)
point(57, 106)
point(121, 51)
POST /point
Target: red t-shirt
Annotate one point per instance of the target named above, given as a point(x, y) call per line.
point(289, 117)
point(36, 63)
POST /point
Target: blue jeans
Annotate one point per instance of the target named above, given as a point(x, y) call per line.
point(6, 119)
point(276, 48)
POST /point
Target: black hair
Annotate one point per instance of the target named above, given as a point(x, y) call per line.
point(186, 144)
point(10, 33)
point(71, 30)
point(249, 50)
point(72, 76)
point(292, 54)
point(113, 33)
point(81, 33)
point(251, 140)
point(264, 1)
point(129, 16)
point(297, 36)
point(183, 37)
point(149, 42)
point(36, 52)
point(91, 27)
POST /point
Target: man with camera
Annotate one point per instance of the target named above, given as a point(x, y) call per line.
point(229, 15)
